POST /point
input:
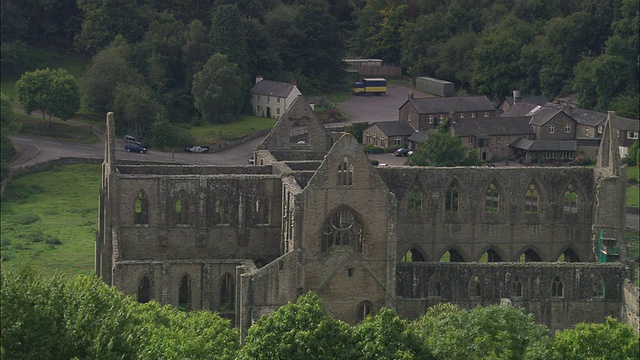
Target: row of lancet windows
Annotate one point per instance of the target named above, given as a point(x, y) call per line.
point(416, 255)
point(227, 290)
point(434, 287)
point(531, 201)
point(219, 209)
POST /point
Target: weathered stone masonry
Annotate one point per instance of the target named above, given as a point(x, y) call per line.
point(314, 215)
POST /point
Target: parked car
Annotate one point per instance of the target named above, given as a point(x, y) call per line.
point(135, 147)
point(135, 139)
point(252, 161)
point(196, 149)
point(402, 152)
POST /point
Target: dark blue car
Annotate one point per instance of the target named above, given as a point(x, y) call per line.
point(130, 146)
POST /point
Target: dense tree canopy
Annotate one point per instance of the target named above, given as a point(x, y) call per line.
point(443, 149)
point(54, 92)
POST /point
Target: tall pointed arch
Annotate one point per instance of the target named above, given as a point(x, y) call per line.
point(262, 208)
point(144, 290)
point(415, 254)
point(491, 255)
point(452, 197)
point(184, 292)
point(532, 198)
point(529, 255)
point(570, 199)
point(568, 255)
point(343, 227)
point(220, 210)
point(227, 292)
point(414, 199)
point(182, 208)
point(452, 255)
point(492, 198)
point(475, 286)
point(345, 172)
point(141, 208)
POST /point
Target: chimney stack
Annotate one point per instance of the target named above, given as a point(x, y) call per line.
point(516, 96)
point(259, 78)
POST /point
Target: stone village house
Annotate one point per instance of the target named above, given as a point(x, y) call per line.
point(272, 98)
point(245, 240)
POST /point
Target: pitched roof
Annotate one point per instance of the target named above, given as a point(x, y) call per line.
point(439, 105)
point(272, 88)
point(626, 124)
point(544, 145)
point(529, 99)
point(588, 117)
point(543, 115)
point(496, 126)
point(421, 136)
point(394, 128)
point(521, 109)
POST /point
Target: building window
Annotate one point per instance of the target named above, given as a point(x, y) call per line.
point(548, 154)
point(278, 100)
point(141, 208)
point(184, 293)
point(278, 111)
point(567, 128)
point(598, 289)
point(441, 117)
point(557, 290)
point(258, 97)
point(451, 199)
point(551, 129)
point(397, 140)
point(342, 228)
point(368, 138)
point(485, 115)
point(600, 128)
point(414, 200)
point(587, 132)
point(470, 139)
point(413, 255)
point(492, 199)
point(531, 199)
point(498, 139)
point(221, 211)
point(144, 290)
point(430, 119)
point(473, 115)
point(570, 197)
point(268, 98)
point(461, 116)
point(475, 286)
point(364, 310)
point(182, 207)
point(632, 134)
point(517, 287)
point(262, 208)
point(345, 172)
point(227, 291)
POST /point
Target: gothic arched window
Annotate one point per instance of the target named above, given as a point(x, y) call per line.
point(262, 208)
point(144, 290)
point(531, 199)
point(141, 208)
point(364, 309)
point(491, 199)
point(345, 173)
point(570, 197)
point(220, 211)
point(182, 208)
point(557, 289)
point(227, 291)
point(342, 228)
point(414, 199)
point(452, 198)
point(184, 293)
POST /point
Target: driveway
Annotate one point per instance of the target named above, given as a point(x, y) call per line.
point(378, 108)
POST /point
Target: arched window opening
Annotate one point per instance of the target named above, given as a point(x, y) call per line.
point(141, 208)
point(414, 199)
point(570, 204)
point(413, 255)
point(452, 199)
point(517, 287)
point(491, 256)
point(530, 256)
point(221, 211)
point(144, 290)
point(342, 228)
point(227, 291)
point(345, 173)
point(531, 199)
point(451, 256)
point(492, 199)
point(569, 256)
point(434, 288)
point(182, 207)
point(598, 290)
point(262, 208)
point(475, 286)
point(557, 289)
point(364, 310)
point(184, 293)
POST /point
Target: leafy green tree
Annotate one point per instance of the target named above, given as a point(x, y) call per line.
point(218, 90)
point(135, 108)
point(356, 129)
point(109, 68)
point(387, 336)
point(227, 35)
point(443, 149)
point(492, 332)
point(6, 110)
point(54, 92)
point(298, 331)
point(195, 51)
point(163, 45)
point(611, 340)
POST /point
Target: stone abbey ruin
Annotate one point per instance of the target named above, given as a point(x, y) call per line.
point(313, 214)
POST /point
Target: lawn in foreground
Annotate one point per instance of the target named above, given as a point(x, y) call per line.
point(49, 220)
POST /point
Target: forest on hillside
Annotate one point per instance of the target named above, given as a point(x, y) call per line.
point(184, 61)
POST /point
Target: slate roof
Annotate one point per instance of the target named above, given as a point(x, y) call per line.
point(530, 99)
point(543, 115)
point(588, 117)
point(496, 126)
point(626, 124)
point(439, 105)
point(394, 128)
point(544, 145)
point(272, 88)
point(521, 109)
point(421, 136)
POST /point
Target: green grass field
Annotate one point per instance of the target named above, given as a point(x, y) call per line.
point(49, 220)
point(212, 133)
point(34, 125)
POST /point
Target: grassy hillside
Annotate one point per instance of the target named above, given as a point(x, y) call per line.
point(49, 220)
